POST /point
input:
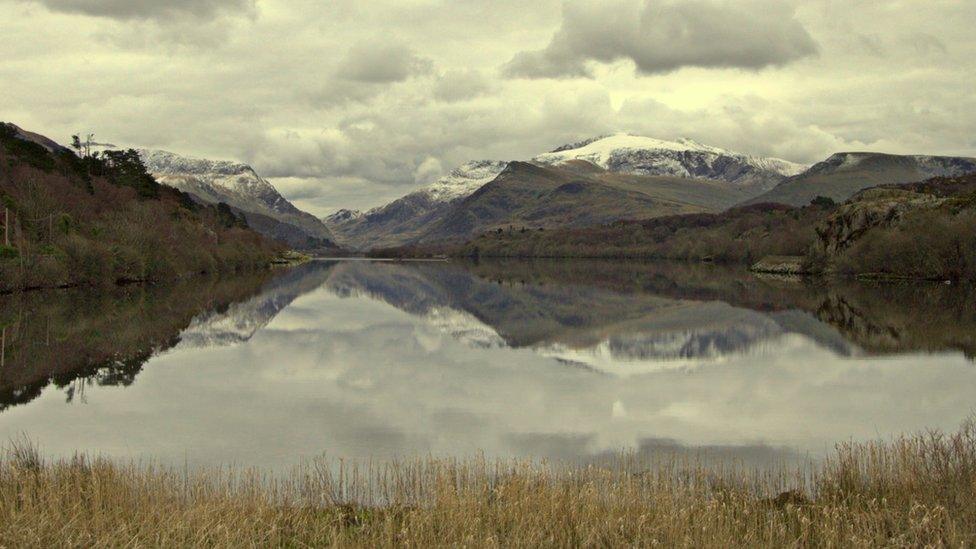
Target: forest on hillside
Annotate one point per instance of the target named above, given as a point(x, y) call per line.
point(96, 219)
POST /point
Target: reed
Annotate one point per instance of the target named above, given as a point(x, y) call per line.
point(914, 491)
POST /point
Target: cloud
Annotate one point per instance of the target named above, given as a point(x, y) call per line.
point(374, 62)
point(662, 36)
point(459, 85)
point(149, 9)
point(428, 171)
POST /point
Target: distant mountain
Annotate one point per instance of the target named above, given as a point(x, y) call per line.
point(239, 186)
point(639, 155)
point(405, 219)
point(342, 216)
point(608, 177)
point(844, 174)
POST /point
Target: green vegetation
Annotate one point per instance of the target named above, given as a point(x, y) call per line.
point(928, 244)
point(912, 492)
point(101, 219)
point(740, 235)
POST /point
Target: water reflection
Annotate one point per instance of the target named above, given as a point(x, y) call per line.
point(557, 359)
point(613, 314)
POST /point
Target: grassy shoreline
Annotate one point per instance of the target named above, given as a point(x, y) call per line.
point(913, 491)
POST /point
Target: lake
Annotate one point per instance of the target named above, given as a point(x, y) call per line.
point(569, 360)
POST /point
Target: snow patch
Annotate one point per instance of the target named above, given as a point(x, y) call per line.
point(682, 158)
point(464, 180)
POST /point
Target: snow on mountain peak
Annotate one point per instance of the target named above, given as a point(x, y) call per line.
point(342, 216)
point(681, 157)
point(234, 176)
point(464, 180)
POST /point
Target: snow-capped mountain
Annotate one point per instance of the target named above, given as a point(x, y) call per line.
point(416, 216)
point(681, 158)
point(239, 186)
point(342, 216)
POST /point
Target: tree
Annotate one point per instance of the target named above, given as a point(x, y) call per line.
point(125, 168)
point(83, 148)
point(823, 202)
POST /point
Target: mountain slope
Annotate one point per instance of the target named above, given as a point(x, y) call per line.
point(532, 196)
point(639, 155)
point(406, 218)
point(844, 174)
point(240, 187)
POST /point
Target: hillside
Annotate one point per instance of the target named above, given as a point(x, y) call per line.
point(99, 220)
point(536, 197)
point(240, 187)
point(844, 174)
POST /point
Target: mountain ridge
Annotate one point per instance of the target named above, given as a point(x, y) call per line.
point(844, 174)
point(239, 186)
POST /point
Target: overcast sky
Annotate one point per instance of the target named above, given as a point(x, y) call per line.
point(350, 103)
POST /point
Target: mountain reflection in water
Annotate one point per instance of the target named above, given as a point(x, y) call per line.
point(563, 359)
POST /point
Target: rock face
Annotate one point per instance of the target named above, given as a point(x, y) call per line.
point(877, 207)
point(781, 265)
point(640, 155)
point(240, 187)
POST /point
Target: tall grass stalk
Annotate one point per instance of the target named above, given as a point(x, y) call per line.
point(914, 491)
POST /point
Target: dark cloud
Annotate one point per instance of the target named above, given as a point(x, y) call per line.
point(375, 62)
point(149, 9)
point(662, 36)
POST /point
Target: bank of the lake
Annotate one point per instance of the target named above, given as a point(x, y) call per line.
point(909, 492)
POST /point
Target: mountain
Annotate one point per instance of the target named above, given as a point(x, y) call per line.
point(240, 187)
point(632, 154)
point(537, 197)
point(405, 219)
point(608, 177)
point(844, 174)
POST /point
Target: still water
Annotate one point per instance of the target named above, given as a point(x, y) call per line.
point(565, 360)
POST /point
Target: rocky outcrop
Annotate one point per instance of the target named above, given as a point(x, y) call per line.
point(876, 207)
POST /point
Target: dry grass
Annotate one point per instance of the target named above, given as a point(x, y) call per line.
point(916, 491)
